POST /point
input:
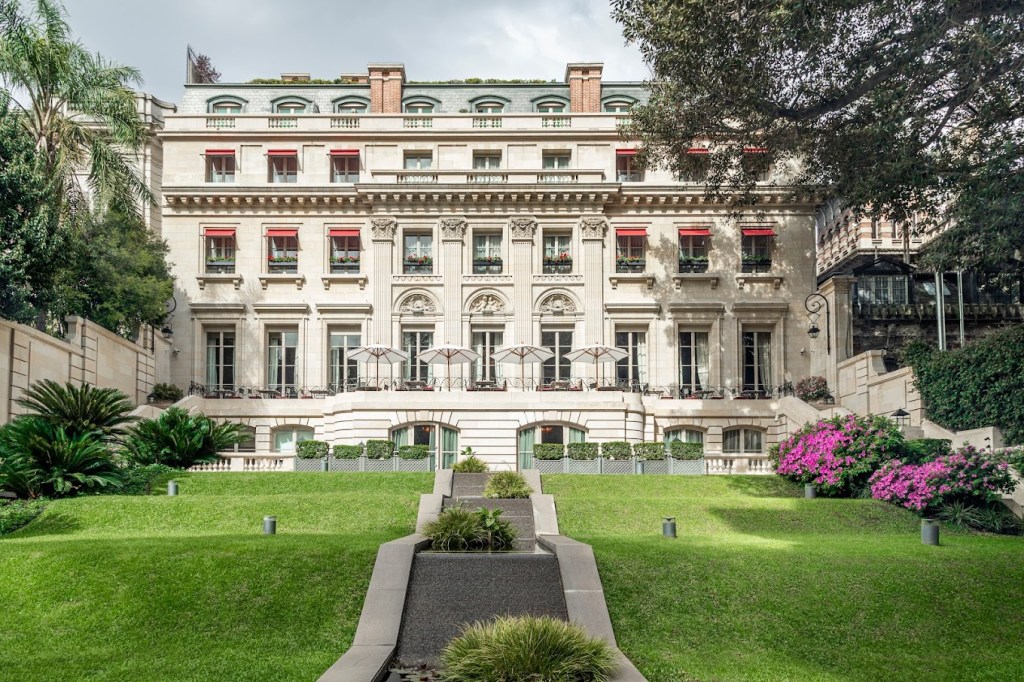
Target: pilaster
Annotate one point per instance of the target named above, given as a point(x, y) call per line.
point(453, 237)
point(522, 230)
point(593, 230)
point(382, 235)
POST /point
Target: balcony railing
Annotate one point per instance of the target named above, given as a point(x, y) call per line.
point(345, 122)
point(487, 121)
point(634, 176)
point(344, 267)
point(283, 122)
point(418, 122)
point(220, 122)
point(692, 266)
point(556, 121)
point(415, 178)
point(380, 122)
point(220, 267)
point(487, 178)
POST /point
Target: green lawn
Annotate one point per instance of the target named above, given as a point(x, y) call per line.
point(764, 585)
point(186, 588)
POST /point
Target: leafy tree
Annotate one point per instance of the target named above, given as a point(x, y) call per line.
point(78, 106)
point(79, 410)
point(203, 70)
point(179, 439)
point(901, 108)
point(115, 274)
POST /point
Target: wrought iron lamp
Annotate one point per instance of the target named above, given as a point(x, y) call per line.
point(813, 304)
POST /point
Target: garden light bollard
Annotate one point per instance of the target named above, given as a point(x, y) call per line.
point(668, 527)
point(172, 488)
point(324, 466)
point(269, 525)
point(929, 531)
point(809, 491)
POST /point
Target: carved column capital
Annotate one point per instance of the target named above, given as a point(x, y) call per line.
point(593, 227)
point(522, 228)
point(383, 229)
point(453, 228)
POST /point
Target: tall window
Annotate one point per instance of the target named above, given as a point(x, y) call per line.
point(630, 251)
point(345, 166)
point(220, 251)
point(487, 161)
point(283, 251)
point(882, 289)
point(282, 348)
point(757, 250)
point(487, 254)
point(415, 343)
point(742, 442)
point(694, 365)
point(419, 254)
point(557, 254)
point(220, 168)
point(693, 250)
point(344, 371)
point(559, 342)
point(555, 160)
point(220, 360)
point(632, 369)
point(419, 161)
point(626, 168)
point(283, 167)
point(485, 343)
point(344, 251)
point(757, 361)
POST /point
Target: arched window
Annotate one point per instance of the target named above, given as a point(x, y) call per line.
point(742, 442)
point(350, 106)
point(551, 107)
point(618, 107)
point(291, 107)
point(419, 108)
point(226, 105)
point(248, 443)
point(685, 435)
point(489, 108)
point(284, 438)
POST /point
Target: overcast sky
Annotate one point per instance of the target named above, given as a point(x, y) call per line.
point(435, 39)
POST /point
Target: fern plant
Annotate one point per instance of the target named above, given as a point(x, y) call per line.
point(79, 410)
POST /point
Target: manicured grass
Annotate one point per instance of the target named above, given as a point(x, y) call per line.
point(186, 588)
point(764, 585)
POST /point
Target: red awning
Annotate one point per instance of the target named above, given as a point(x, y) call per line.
point(631, 231)
point(626, 152)
point(755, 150)
point(758, 232)
point(698, 150)
point(282, 152)
point(220, 152)
point(219, 232)
point(343, 232)
point(694, 232)
point(344, 152)
point(283, 232)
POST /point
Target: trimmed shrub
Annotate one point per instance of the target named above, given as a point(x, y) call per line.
point(978, 385)
point(840, 454)
point(179, 439)
point(413, 451)
point(167, 393)
point(548, 451)
point(380, 449)
point(17, 513)
point(348, 451)
point(926, 449)
point(617, 449)
point(683, 450)
point(458, 529)
point(527, 648)
point(470, 464)
point(649, 451)
point(311, 449)
point(812, 388)
point(583, 450)
point(507, 485)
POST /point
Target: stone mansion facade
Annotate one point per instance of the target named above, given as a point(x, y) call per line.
point(306, 220)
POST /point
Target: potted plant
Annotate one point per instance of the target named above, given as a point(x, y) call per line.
point(220, 265)
point(413, 458)
point(418, 264)
point(163, 395)
point(283, 263)
point(559, 263)
point(379, 455)
point(310, 455)
point(629, 263)
point(687, 458)
point(547, 458)
point(583, 458)
point(618, 457)
point(346, 458)
point(344, 263)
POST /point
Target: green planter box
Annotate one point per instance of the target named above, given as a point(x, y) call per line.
point(309, 464)
point(688, 467)
point(414, 464)
point(617, 466)
point(582, 466)
point(549, 466)
point(654, 466)
point(346, 464)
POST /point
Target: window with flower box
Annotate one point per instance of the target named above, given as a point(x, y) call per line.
point(220, 250)
point(344, 165)
point(557, 254)
point(282, 166)
point(283, 251)
point(419, 254)
point(757, 249)
point(345, 250)
point(220, 166)
point(487, 258)
point(630, 249)
point(693, 249)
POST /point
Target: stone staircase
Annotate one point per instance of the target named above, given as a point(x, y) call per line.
point(468, 490)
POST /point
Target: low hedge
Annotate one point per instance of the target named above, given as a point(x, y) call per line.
point(683, 450)
point(583, 451)
point(311, 449)
point(348, 451)
point(548, 451)
point(654, 451)
point(167, 393)
point(617, 449)
point(413, 451)
point(380, 449)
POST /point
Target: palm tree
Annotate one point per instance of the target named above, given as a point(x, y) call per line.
point(78, 106)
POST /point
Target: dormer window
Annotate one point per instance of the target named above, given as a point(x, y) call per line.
point(490, 108)
point(551, 108)
point(290, 107)
point(618, 107)
point(352, 106)
point(419, 108)
point(227, 105)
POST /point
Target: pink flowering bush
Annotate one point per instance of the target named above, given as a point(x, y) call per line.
point(967, 476)
point(838, 455)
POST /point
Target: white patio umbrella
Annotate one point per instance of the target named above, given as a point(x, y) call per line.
point(378, 352)
point(522, 353)
point(448, 354)
point(596, 354)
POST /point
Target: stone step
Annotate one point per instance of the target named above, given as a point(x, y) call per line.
point(469, 485)
point(449, 590)
point(517, 512)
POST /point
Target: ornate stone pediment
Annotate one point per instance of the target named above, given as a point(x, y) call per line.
point(557, 304)
point(522, 228)
point(593, 227)
point(453, 228)
point(417, 304)
point(487, 303)
point(383, 228)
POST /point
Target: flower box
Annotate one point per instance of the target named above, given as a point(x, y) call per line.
point(339, 267)
point(558, 266)
point(756, 264)
point(689, 266)
point(630, 264)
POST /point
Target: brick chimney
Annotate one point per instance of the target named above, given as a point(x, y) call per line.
point(584, 81)
point(386, 82)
